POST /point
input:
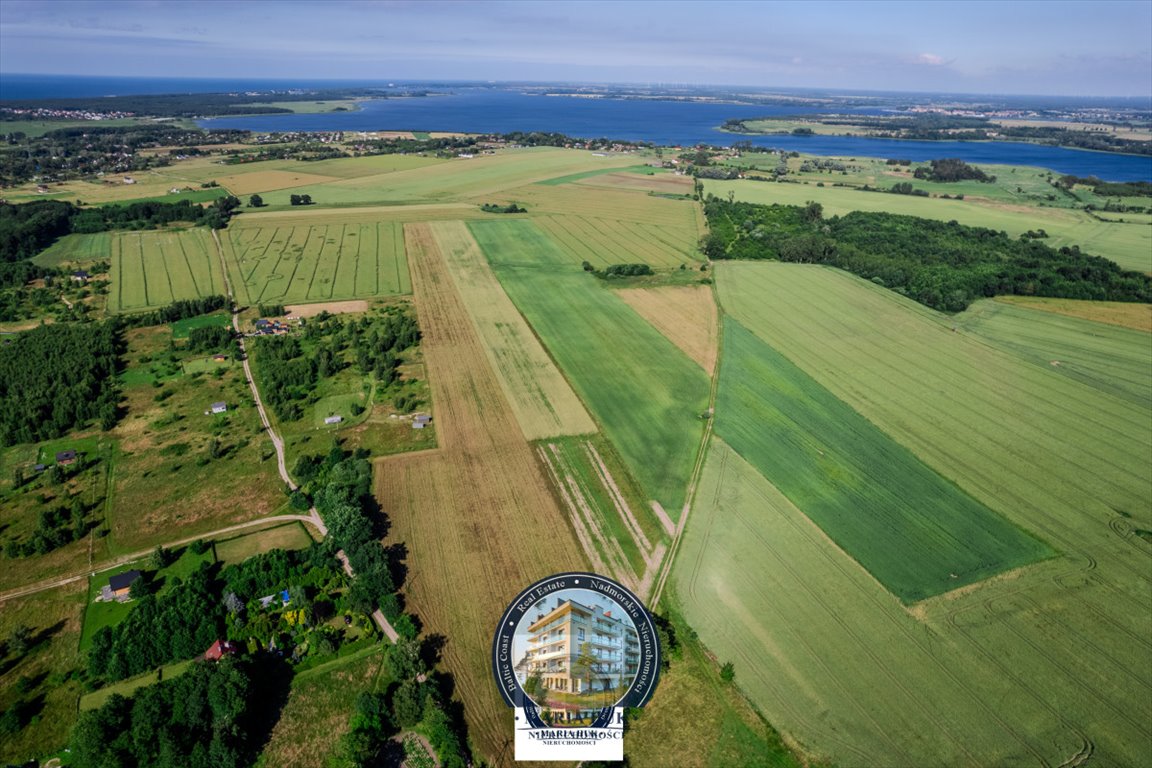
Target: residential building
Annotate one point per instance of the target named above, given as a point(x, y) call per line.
point(560, 637)
point(121, 583)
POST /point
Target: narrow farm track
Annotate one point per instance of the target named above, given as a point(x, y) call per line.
point(47, 584)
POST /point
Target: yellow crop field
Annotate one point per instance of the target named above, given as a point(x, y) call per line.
point(602, 242)
point(686, 315)
point(1122, 313)
point(663, 183)
point(476, 513)
point(544, 403)
point(266, 181)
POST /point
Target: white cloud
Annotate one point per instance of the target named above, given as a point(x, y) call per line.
point(930, 59)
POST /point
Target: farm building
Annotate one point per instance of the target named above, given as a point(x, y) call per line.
point(220, 407)
point(64, 458)
point(333, 419)
point(420, 420)
point(219, 358)
point(220, 649)
point(80, 276)
point(121, 583)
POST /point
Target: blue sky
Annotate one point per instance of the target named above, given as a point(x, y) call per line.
point(1068, 48)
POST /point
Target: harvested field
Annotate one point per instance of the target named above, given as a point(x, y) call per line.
point(686, 315)
point(331, 307)
point(476, 515)
point(1122, 313)
point(664, 183)
point(544, 403)
point(267, 181)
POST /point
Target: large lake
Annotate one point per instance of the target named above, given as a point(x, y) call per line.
point(668, 123)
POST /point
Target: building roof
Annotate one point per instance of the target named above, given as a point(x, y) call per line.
point(221, 648)
point(220, 404)
point(333, 419)
point(123, 580)
point(66, 455)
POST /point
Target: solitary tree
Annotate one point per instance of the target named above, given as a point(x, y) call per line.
point(255, 201)
point(585, 665)
point(728, 672)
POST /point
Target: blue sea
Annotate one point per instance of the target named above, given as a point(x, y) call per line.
point(472, 108)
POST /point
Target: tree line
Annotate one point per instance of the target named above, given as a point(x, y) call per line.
point(944, 265)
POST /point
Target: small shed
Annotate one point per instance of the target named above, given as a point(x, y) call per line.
point(64, 458)
point(80, 276)
point(421, 418)
point(333, 419)
point(122, 582)
point(219, 358)
point(219, 407)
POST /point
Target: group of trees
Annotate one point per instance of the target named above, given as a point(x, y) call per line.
point(613, 271)
point(944, 265)
point(289, 369)
point(177, 310)
point(205, 718)
point(415, 701)
point(54, 378)
point(211, 338)
point(1107, 188)
point(497, 208)
point(951, 169)
point(295, 199)
point(55, 527)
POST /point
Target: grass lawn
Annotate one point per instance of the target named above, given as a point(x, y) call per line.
point(180, 328)
point(240, 548)
point(75, 248)
point(126, 688)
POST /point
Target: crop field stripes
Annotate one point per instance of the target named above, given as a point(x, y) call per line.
point(603, 241)
point(857, 483)
point(783, 557)
point(600, 514)
point(543, 401)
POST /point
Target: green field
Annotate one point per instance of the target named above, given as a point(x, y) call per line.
point(567, 179)
point(544, 403)
point(1108, 358)
point(602, 242)
point(1129, 244)
point(153, 269)
point(910, 528)
point(646, 394)
point(828, 654)
point(75, 248)
point(300, 263)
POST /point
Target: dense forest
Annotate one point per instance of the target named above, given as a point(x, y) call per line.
point(206, 718)
point(56, 378)
point(944, 265)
